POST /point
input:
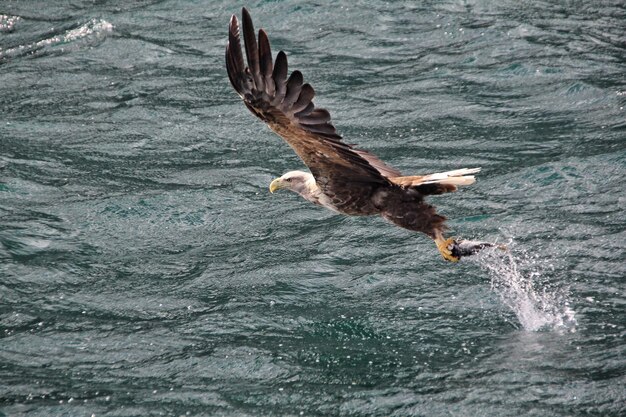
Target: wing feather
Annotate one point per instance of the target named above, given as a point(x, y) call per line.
point(265, 62)
point(234, 57)
point(326, 129)
point(280, 78)
point(294, 86)
point(286, 105)
point(304, 99)
point(252, 50)
point(306, 111)
point(317, 116)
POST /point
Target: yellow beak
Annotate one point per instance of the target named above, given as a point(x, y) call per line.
point(276, 185)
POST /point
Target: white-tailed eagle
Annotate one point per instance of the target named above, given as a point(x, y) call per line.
point(343, 178)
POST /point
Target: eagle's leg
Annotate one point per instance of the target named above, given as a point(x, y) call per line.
point(446, 247)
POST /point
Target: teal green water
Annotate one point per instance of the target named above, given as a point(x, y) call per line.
point(146, 270)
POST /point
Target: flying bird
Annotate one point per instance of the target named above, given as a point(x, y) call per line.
point(342, 178)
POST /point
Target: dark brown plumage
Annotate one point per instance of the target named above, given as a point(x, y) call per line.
point(348, 180)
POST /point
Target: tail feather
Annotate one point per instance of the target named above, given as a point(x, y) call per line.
point(451, 178)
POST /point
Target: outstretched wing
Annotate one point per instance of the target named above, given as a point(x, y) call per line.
point(285, 104)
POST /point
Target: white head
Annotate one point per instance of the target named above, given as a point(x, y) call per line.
point(297, 181)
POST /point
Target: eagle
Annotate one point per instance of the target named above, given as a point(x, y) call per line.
point(342, 178)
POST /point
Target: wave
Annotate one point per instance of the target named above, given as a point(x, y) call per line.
point(95, 30)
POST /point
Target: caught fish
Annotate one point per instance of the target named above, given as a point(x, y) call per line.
point(461, 248)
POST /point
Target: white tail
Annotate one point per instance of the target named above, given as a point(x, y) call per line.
point(456, 177)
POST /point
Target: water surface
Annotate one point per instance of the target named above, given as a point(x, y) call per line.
point(146, 270)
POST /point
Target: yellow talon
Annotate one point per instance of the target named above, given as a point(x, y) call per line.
point(445, 248)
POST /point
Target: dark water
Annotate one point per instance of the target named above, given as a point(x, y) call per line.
point(146, 270)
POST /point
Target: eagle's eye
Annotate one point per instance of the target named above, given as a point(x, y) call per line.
point(288, 179)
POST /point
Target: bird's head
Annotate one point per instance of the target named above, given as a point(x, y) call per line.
point(296, 181)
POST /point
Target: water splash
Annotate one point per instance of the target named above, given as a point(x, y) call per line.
point(518, 278)
point(92, 31)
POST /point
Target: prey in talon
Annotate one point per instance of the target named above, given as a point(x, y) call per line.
point(463, 248)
